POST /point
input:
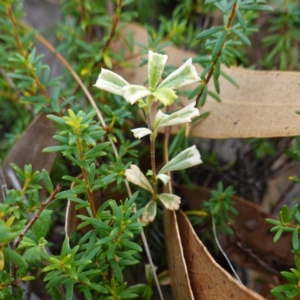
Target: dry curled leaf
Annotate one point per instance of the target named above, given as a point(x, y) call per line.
point(208, 280)
point(180, 282)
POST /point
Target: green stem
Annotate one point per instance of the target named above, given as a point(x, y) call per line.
point(22, 52)
point(86, 179)
point(15, 29)
point(152, 156)
point(211, 71)
point(114, 26)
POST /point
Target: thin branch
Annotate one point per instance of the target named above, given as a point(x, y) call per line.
point(86, 179)
point(21, 51)
point(114, 26)
point(38, 213)
point(244, 247)
point(222, 251)
point(15, 31)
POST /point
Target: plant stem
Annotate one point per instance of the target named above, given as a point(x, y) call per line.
point(114, 25)
point(42, 88)
point(86, 179)
point(14, 244)
point(38, 213)
point(15, 31)
point(152, 156)
point(21, 51)
point(211, 71)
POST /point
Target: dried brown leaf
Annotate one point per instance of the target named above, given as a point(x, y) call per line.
point(208, 280)
point(180, 282)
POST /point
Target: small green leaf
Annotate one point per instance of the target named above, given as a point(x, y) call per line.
point(216, 82)
point(107, 60)
point(278, 234)
point(41, 226)
point(241, 19)
point(293, 212)
point(285, 213)
point(203, 96)
point(297, 262)
point(131, 245)
point(99, 288)
point(111, 251)
point(215, 96)
point(229, 78)
point(48, 182)
point(295, 239)
point(195, 91)
point(58, 148)
point(209, 32)
point(117, 271)
point(243, 37)
point(220, 43)
point(54, 100)
point(56, 119)
point(273, 222)
point(256, 7)
point(206, 70)
point(14, 257)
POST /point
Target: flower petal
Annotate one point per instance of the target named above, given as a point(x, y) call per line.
point(165, 96)
point(170, 201)
point(133, 93)
point(156, 64)
point(140, 132)
point(135, 175)
point(111, 82)
point(184, 75)
point(181, 116)
point(188, 158)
